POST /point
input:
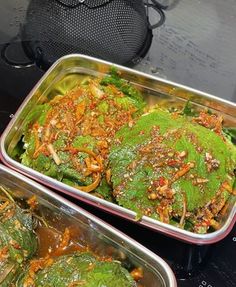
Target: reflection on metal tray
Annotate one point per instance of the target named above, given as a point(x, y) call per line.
point(101, 237)
point(155, 91)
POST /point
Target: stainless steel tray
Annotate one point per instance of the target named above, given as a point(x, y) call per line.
point(100, 236)
point(155, 90)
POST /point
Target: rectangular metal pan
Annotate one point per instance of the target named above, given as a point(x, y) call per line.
point(106, 240)
point(154, 90)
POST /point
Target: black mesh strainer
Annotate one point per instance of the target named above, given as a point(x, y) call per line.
point(115, 30)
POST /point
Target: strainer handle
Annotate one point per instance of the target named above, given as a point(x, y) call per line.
point(12, 62)
point(159, 9)
point(70, 3)
point(170, 6)
point(75, 3)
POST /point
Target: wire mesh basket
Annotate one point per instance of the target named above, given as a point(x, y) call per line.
point(115, 30)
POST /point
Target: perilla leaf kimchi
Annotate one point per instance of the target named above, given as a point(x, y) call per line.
point(39, 255)
point(68, 138)
point(102, 137)
point(77, 269)
point(175, 169)
point(18, 242)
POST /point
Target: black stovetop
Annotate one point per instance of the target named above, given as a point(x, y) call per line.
point(197, 266)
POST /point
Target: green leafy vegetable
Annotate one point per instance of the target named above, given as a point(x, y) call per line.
point(69, 137)
point(16, 231)
point(188, 110)
point(18, 242)
point(165, 168)
point(80, 269)
point(9, 270)
point(114, 79)
point(176, 166)
point(231, 134)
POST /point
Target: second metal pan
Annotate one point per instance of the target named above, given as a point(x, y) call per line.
point(102, 238)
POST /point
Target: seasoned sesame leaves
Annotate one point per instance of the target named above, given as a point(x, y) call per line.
point(18, 242)
point(25, 262)
point(69, 137)
point(78, 269)
point(164, 167)
point(101, 137)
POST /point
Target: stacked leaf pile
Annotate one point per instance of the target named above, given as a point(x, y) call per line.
point(20, 265)
point(18, 242)
point(68, 138)
point(174, 170)
point(102, 138)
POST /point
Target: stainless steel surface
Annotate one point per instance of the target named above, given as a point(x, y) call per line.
point(155, 90)
point(100, 236)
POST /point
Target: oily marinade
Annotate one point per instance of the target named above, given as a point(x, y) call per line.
point(65, 264)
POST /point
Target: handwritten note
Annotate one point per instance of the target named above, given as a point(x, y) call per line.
point(196, 47)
